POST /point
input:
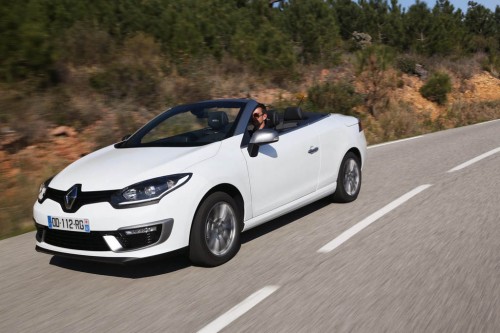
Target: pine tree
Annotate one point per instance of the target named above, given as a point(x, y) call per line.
point(480, 20)
point(446, 32)
point(481, 26)
point(394, 28)
point(313, 27)
point(349, 17)
point(418, 25)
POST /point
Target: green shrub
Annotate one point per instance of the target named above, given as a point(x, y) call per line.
point(374, 58)
point(85, 44)
point(491, 64)
point(406, 64)
point(333, 97)
point(122, 81)
point(436, 88)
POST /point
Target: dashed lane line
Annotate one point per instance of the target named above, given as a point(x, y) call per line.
point(474, 160)
point(370, 219)
point(239, 310)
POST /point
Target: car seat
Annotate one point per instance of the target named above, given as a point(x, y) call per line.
point(292, 116)
point(217, 120)
point(273, 119)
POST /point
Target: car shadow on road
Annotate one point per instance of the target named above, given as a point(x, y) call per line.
point(177, 260)
point(283, 220)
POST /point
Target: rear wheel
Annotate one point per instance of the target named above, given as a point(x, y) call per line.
point(215, 233)
point(349, 179)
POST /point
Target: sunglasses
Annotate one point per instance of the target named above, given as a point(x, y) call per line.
point(257, 115)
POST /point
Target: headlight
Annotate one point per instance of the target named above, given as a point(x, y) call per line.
point(149, 191)
point(42, 191)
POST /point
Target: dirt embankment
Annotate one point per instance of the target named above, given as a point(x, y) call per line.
point(484, 87)
point(63, 144)
point(479, 88)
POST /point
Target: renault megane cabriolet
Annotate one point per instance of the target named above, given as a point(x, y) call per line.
point(194, 178)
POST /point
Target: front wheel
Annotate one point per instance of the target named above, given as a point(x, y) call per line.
point(215, 233)
point(349, 179)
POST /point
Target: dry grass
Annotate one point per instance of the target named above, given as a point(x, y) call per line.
point(19, 188)
point(462, 114)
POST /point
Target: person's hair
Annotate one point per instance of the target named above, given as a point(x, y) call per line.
point(260, 105)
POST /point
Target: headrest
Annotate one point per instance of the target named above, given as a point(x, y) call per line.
point(293, 113)
point(273, 118)
point(217, 120)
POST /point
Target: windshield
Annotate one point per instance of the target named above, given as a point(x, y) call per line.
point(188, 125)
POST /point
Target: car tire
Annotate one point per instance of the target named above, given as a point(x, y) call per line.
point(348, 179)
point(215, 232)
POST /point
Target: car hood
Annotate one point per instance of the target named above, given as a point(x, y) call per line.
point(113, 168)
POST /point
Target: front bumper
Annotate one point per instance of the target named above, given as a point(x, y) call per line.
point(105, 246)
point(121, 240)
point(110, 260)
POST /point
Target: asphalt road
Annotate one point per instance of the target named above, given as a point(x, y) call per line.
point(425, 264)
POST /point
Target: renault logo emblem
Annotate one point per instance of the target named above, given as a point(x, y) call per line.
point(70, 197)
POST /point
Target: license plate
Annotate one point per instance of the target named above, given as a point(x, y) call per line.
point(70, 224)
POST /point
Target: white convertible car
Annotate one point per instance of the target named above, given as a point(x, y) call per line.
point(194, 178)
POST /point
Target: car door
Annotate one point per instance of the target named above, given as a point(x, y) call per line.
point(285, 170)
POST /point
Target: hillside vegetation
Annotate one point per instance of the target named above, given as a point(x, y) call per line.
point(78, 75)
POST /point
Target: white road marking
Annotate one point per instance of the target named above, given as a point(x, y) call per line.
point(474, 160)
point(420, 136)
point(370, 219)
point(239, 310)
point(485, 122)
point(391, 142)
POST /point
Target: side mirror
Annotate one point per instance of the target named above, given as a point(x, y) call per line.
point(260, 138)
point(126, 137)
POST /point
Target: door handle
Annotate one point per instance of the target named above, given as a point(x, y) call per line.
point(313, 150)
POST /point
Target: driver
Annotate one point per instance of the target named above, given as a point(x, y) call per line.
point(259, 117)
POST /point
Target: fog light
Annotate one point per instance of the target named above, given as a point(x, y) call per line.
point(140, 236)
point(140, 231)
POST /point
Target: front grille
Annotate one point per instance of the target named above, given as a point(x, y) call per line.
point(87, 241)
point(129, 242)
point(83, 198)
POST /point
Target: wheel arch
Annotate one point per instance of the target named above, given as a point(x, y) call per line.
point(356, 152)
point(232, 191)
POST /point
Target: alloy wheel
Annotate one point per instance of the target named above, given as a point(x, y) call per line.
point(220, 228)
point(351, 177)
